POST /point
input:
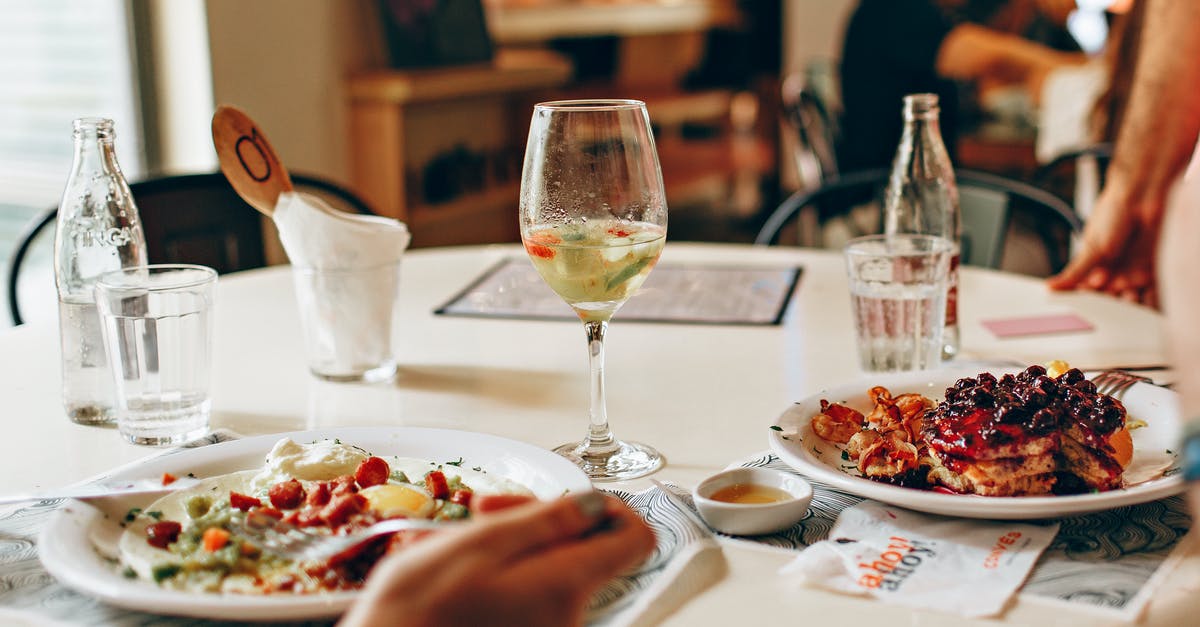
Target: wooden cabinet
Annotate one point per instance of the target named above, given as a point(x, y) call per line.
point(441, 148)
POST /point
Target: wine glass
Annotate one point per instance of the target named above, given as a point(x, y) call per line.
point(593, 221)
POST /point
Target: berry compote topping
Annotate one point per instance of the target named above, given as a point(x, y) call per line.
point(984, 412)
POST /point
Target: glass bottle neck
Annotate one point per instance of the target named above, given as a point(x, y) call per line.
point(94, 147)
point(921, 107)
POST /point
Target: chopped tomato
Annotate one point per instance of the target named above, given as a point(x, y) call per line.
point(619, 232)
point(462, 497)
point(162, 534)
point(538, 250)
point(435, 482)
point(343, 485)
point(243, 502)
point(168, 478)
point(341, 508)
point(286, 494)
point(538, 244)
point(372, 471)
point(215, 538)
point(319, 495)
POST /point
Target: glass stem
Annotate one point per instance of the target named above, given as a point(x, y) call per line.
point(600, 439)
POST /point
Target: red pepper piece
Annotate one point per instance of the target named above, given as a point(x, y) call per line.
point(372, 471)
point(341, 508)
point(243, 502)
point(319, 495)
point(343, 485)
point(286, 494)
point(537, 250)
point(162, 534)
point(462, 497)
point(435, 482)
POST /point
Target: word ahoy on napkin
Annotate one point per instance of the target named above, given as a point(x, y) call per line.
point(968, 567)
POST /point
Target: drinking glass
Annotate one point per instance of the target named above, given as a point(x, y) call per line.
point(898, 294)
point(593, 221)
point(157, 328)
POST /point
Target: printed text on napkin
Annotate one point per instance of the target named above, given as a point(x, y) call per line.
point(968, 567)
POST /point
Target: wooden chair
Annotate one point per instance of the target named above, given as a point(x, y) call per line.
point(991, 206)
point(189, 218)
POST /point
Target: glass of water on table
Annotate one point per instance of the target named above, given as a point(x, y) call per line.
point(157, 326)
point(898, 296)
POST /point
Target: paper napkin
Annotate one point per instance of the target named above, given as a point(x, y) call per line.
point(968, 567)
point(315, 235)
point(346, 273)
point(687, 560)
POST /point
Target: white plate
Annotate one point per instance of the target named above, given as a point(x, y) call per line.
point(71, 544)
point(1153, 451)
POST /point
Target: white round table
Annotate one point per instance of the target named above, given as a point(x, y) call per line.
point(704, 395)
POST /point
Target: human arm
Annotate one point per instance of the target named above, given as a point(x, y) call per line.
point(1117, 253)
point(534, 564)
point(972, 52)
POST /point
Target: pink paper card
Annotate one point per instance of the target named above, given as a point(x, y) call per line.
point(1037, 325)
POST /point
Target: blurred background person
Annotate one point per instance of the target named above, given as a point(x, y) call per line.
point(897, 47)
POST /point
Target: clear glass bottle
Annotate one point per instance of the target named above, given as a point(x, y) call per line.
point(922, 195)
point(98, 231)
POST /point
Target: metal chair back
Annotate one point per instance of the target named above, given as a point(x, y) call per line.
point(990, 205)
point(188, 218)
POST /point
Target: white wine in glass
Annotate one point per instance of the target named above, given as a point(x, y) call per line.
point(594, 220)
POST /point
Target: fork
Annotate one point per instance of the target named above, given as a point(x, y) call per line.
point(1115, 383)
point(298, 544)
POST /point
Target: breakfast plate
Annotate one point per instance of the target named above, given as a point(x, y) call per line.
point(1153, 473)
point(79, 544)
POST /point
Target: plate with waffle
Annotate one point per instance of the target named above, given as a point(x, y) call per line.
point(1002, 444)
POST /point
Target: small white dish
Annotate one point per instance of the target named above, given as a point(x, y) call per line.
point(752, 519)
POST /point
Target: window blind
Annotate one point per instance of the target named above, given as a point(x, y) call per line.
point(59, 60)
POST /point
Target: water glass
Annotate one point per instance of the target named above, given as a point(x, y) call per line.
point(898, 296)
point(157, 326)
point(348, 317)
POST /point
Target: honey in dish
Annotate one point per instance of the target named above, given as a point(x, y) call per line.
point(749, 494)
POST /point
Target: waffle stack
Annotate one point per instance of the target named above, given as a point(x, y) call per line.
point(1027, 434)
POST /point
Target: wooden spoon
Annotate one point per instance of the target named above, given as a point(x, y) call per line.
point(248, 160)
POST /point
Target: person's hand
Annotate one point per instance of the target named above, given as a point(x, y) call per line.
point(532, 564)
point(1117, 254)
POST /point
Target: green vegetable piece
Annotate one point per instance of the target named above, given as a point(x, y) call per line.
point(451, 511)
point(164, 571)
point(627, 273)
point(132, 514)
point(198, 506)
point(399, 477)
